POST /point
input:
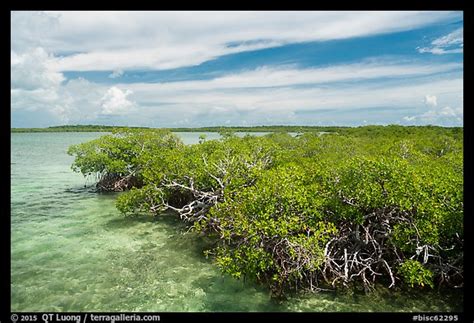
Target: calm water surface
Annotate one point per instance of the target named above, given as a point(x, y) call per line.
point(71, 250)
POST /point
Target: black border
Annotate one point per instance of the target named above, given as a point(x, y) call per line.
point(5, 190)
point(467, 315)
point(468, 162)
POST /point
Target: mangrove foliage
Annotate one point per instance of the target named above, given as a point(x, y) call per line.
point(352, 208)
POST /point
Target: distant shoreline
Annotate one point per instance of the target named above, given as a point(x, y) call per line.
point(281, 128)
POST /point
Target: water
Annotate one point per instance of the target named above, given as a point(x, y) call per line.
point(72, 251)
point(190, 138)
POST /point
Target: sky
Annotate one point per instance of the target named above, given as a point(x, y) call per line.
point(231, 68)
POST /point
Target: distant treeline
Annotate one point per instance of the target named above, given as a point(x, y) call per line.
point(362, 130)
point(280, 128)
point(75, 128)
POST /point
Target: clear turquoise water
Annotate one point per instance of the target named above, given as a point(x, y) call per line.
point(72, 251)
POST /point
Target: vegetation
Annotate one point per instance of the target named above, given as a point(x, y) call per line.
point(358, 207)
point(372, 130)
point(102, 128)
point(75, 128)
point(116, 160)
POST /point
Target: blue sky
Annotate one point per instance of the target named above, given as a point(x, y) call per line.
point(191, 69)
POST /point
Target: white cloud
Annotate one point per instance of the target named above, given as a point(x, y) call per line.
point(171, 101)
point(443, 116)
point(448, 44)
point(61, 112)
point(453, 38)
point(262, 95)
point(75, 101)
point(157, 58)
point(436, 115)
point(30, 70)
point(32, 29)
point(440, 51)
point(163, 40)
point(116, 74)
point(450, 112)
point(33, 99)
point(267, 88)
point(431, 100)
point(36, 88)
point(288, 76)
point(115, 102)
point(46, 44)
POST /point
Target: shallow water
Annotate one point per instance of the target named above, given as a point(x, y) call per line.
point(71, 250)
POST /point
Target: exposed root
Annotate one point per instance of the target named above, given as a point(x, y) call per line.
point(117, 183)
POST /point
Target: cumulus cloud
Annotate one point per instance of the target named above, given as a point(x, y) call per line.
point(115, 102)
point(35, 87)
point(30, 70)
point(431, 100)
point(448, 44)
point(75, 101)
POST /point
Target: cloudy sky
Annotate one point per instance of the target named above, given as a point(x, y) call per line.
point(191, 69)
